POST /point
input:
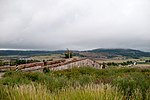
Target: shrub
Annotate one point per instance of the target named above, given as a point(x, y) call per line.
point(132, 82)
point(46, 70)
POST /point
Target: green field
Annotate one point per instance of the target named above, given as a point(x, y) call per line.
point(116, 61)
point(139, 62)
point(84, 83)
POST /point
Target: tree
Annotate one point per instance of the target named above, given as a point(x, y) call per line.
point(68, 54)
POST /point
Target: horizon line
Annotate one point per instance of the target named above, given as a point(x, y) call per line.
point(65, 49)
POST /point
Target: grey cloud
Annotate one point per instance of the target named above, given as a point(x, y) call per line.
point(78, 24)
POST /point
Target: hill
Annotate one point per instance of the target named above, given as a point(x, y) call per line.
point(110, 53)
point(95, 53)
point(27, 53)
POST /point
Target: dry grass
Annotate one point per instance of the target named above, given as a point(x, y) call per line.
point(47, 57)
point(39, 92)
point(116, 61)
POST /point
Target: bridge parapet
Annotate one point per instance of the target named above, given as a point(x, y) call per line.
point(57, 65)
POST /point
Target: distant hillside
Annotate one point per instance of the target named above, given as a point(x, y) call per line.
point(110, 53)
point(27, 53)
point(96, 53)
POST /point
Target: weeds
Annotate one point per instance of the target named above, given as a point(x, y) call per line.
point(73, 84)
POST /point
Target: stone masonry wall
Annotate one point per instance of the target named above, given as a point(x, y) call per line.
point(56, 65)
point(82, 63)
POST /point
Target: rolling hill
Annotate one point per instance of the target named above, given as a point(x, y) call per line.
point(95, 53)
point(28, 53)
point(110, 53)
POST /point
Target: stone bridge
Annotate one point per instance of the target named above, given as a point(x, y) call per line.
point(75, 63)
point(55, 65)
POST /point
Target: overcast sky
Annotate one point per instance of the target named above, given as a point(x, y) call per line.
point(74, 24)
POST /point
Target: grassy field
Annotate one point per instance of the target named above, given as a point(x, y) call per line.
point(140, 62)
point(122, 60)
point(84, 83)
point(116, 60)
point(39, 92)
point(142, 66)
point(48, 57)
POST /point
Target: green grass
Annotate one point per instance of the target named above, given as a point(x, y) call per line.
point(84, 83)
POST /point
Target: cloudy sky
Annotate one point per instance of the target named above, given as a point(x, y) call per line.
point(74, 24)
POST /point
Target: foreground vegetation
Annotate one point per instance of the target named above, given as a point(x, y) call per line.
point(39, 92)
point(84, 83)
